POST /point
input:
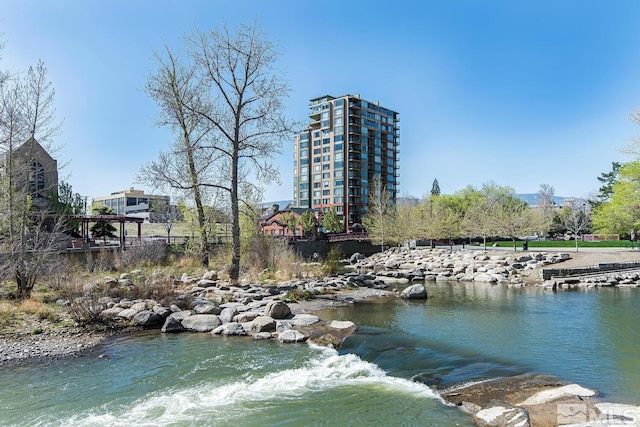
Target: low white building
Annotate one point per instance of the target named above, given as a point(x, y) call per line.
point(133, 203)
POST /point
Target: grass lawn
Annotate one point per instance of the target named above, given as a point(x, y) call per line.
point(178, 229)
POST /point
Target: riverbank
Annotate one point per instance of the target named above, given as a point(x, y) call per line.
point(39, 339)
point(472, 399)
point(53, 341)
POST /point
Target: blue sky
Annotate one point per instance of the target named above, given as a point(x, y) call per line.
point(521, 93)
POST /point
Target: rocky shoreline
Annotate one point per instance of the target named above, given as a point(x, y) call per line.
point(206, 304)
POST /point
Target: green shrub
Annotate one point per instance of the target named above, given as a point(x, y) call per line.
point(332, 264)
point(298, 295)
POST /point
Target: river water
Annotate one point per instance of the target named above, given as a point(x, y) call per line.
point(464, 332)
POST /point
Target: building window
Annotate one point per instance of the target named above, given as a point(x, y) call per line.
point(326, 140)
point(326, 158)
point(326, 175)
point(36, 181)
point(326, 192)
point(338, 173)
point(337, 200)
point(325, 184)
point(338, 147)
point(337, 111)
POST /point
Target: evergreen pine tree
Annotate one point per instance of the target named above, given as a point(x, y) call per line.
point(103, 228)
point(435, 188)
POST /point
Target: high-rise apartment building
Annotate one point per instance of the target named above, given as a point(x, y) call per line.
point(347, 144)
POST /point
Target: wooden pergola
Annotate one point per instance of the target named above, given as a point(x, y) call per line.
point(85, 220)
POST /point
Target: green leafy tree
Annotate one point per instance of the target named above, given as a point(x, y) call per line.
point(308, 223)
point(480, 216)
point(290, 221)
point(446, 218)
point(516, 219)
point(406, 220)
point(103, 227)
point(621, 214)
point(67, 203)
point(332, 222)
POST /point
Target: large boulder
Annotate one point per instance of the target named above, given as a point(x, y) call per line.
point(304, 319)
point(417, 291)
point(291, 336)
point(246, 316)
point(147, 318)
point(201, 322)
point(502, 414)
point(171, 325)
point(277, 310)
point(263, 324)
point(161, 311)
point(207, 307)
point(227, 314)
point(232, 328)
point(110, 313)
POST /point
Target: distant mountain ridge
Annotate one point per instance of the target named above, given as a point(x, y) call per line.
point(532, 198)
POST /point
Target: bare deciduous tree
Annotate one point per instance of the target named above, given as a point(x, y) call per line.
point(380, 217)
point(27, 232)
point(575, 218)
point(186, 166)
point(228, 107)
point(546, 205)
